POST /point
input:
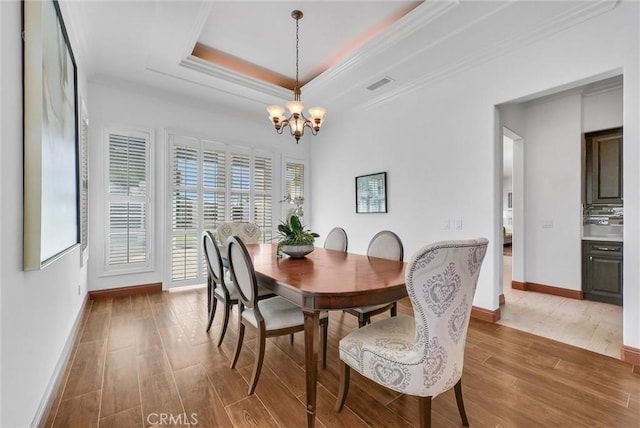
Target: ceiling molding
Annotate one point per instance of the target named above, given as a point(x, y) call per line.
point(426, 12)
point(203, 66)
point(581, 12)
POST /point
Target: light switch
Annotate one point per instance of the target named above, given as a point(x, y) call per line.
point(447, 224)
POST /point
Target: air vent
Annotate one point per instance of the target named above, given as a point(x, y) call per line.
point(379, 83)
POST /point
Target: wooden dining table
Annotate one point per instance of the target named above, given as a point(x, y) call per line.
point(326, 280)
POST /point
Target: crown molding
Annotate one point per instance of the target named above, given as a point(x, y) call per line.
point(427, 12)
point(205, 67)
point(581, 12)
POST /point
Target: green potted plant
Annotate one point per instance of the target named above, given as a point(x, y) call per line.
point(295, 240)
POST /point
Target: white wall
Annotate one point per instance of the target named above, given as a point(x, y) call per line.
point(136, 106)
point(553, 227)
point(38, 308)
point(602, 110)
point(438, 145)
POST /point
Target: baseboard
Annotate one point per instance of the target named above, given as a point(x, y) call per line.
point(49, 397)
point(501, 299)
point(517, 285)
point(485, 314)
point(125, 291)
point(630, 355)
point(547, 289)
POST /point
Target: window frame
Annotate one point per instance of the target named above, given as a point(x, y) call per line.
point(148, 264)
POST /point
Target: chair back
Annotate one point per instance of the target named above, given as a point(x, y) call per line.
point(336, 240)
point(243, 273)
point(386, 245)
point(213, 257)
point(441, 281)
point(250, 233)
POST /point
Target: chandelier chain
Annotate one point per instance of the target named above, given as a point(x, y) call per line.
point(297, 49)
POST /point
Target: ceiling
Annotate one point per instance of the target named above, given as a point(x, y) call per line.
point(345, 46)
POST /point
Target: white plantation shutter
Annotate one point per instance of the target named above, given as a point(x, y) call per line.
point(294, 179)
point(84, 182)
point(240, 176)
point(293, 184)
point(212, 183)
point(185, 209)
point(128, 200)
point(262, 194)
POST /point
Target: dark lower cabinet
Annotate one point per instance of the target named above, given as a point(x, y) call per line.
point(602, 271)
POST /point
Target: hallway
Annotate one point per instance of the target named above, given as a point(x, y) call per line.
point(589, 325)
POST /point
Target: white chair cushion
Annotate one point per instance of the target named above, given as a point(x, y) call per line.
point(278, 313)
point(366, 309)
point(388, 353)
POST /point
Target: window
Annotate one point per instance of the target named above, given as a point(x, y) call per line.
point(128, 200)
point(263, 194)
point(84, 184)
point(212, 183)
point(293, 187)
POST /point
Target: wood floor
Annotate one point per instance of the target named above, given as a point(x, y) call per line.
point(146, 361)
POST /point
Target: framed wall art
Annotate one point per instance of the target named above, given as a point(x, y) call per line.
point(50, 119)
point(371, 193)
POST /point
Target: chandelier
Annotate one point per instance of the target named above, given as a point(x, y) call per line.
point(296, 120)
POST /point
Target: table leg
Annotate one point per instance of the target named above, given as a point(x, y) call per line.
point(311, 326)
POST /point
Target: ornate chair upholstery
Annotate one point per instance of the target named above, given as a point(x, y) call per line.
point(250, 233)
point(424, 355)
point(386, 245)
point(271, 317)
point(219, 284)
point(336, 240)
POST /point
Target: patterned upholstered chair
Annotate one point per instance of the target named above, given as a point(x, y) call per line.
point(220, 288)
point(271, 317)
point(386, 245)
point(250, 233)
point(424, 355)
point(336, 240)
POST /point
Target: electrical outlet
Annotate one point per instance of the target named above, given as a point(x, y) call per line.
point(447, 224)
point(459, 224)
point(547, 224)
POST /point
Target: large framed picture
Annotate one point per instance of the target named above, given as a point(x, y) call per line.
point(51, 176)
point(371, 193)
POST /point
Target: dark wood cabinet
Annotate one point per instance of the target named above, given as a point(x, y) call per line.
point(604, 167)
point(602, 271)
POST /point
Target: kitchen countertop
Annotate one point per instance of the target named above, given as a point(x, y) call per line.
point(608, 238)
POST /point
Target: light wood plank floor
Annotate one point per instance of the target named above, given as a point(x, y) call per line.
point(583, 323)
point(146, 361)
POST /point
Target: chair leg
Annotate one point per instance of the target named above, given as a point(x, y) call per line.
point(238, 343)
point(291, 335)
point(345, 373)
point(213, 303)
point(463, 414)
point(394, 309)
point(425, 412)
point(324, 324)
point(225, 321)
point(363, 319)
point(257, 368)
